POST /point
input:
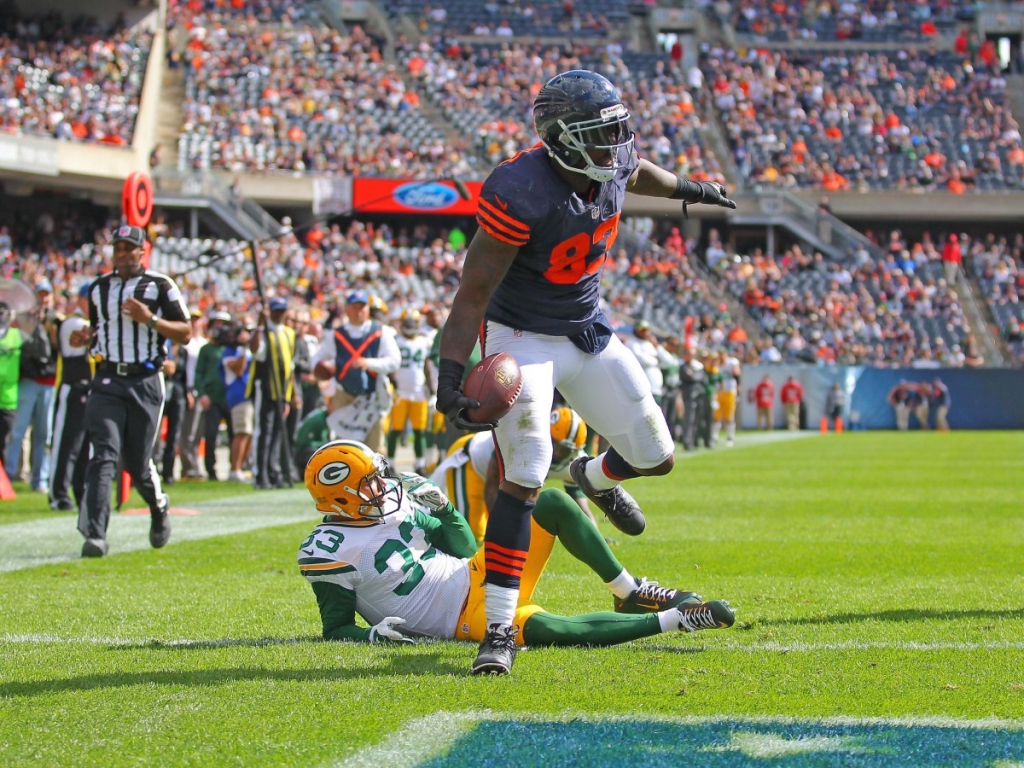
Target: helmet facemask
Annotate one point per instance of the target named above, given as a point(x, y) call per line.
point(600, 146)
point(380, 490)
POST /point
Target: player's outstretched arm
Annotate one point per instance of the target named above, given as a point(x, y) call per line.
point(654, 181)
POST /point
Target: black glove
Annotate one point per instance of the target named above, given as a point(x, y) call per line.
point(714, 194)
point(450, 400)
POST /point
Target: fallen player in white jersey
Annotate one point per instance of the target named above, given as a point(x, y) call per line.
point(395, 551)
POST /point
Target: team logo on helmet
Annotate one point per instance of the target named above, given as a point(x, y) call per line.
point(333, 473)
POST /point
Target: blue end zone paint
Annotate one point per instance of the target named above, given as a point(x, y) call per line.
point(725, 742)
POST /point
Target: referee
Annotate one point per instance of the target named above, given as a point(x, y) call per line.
point(132, 312)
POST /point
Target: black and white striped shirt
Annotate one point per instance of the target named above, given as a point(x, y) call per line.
point(119, 339)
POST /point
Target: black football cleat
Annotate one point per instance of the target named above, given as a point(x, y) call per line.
point(94, 548)
point(714, 614)
point(618, 506)
point(497, 651)
point(650, 597)
point(160, 524)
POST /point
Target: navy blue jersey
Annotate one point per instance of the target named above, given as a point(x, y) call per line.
point(553, 284)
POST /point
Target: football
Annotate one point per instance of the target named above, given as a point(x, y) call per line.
point(495, 382)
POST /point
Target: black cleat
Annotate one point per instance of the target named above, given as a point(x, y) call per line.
point(160, 524)
point(618, 506)
point(714, 614)
point(94, 548)
point(649, 597)
point(497, 651)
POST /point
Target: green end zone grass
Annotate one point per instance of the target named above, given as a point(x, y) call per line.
point(877, 578)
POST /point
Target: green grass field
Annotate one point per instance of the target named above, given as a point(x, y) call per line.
point(878, 580)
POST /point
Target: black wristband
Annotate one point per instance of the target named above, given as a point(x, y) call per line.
point(687, 191)
point(450, 372)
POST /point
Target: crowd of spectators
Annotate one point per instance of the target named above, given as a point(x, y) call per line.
point(292, 94)
point(487, 92)
point(511, 18)
point(998, 265)
point(867, 20)
point(74, 80)
point(897, 310)
point(904, 119)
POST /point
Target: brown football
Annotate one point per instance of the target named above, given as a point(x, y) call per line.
point(495, 382)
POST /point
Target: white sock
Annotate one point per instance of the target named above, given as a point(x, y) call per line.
point(595, 474)
point(623, 585)
point(730, 430)
point(716, 428)
point(669, 620)
point(500, 604)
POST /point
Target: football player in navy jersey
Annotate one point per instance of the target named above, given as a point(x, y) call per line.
point(547, 220)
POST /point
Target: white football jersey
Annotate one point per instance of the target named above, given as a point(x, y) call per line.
point(729, 383)
point(411, 378)
point(393, 570)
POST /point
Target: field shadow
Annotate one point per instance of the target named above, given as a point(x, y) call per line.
point(401, 662)
point(902, 615)
point(239, 642)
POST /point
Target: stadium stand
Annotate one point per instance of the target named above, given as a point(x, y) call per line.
point(897, 310)
point(515, 18)
point(998, 264)
point(299, 96)
point(836, 119)
point(487, 92)
point(70, 80)
point(867, 21)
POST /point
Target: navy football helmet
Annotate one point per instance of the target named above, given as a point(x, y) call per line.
point(580, 117)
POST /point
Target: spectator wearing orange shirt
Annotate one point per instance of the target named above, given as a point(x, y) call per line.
point(792, 395)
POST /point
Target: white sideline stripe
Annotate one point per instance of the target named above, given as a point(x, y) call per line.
point(747, 440)
point(57, 540)
point(48, 639)
point(431, 736)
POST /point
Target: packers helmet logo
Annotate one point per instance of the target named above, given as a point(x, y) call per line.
point(333, 473)
point(555, 416)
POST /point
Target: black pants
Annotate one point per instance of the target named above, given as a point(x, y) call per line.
point(670, 409)
point(691, 409)
point(212, 417)
point(69, 454)
point(312, 398)
point(122, 418)
point(268, 445)
point(291, 426)
point(174, 410)
point(6, 427)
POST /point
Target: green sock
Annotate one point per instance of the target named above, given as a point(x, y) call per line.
point(603, 628)
point(392, 443)
point(419, 443)
point(558, 514)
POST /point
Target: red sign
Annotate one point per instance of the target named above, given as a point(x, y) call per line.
point(430, 198)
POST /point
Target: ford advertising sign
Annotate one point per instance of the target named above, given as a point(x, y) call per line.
point(431, 198)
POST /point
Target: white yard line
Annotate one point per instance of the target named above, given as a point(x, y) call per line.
point(57, 540)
